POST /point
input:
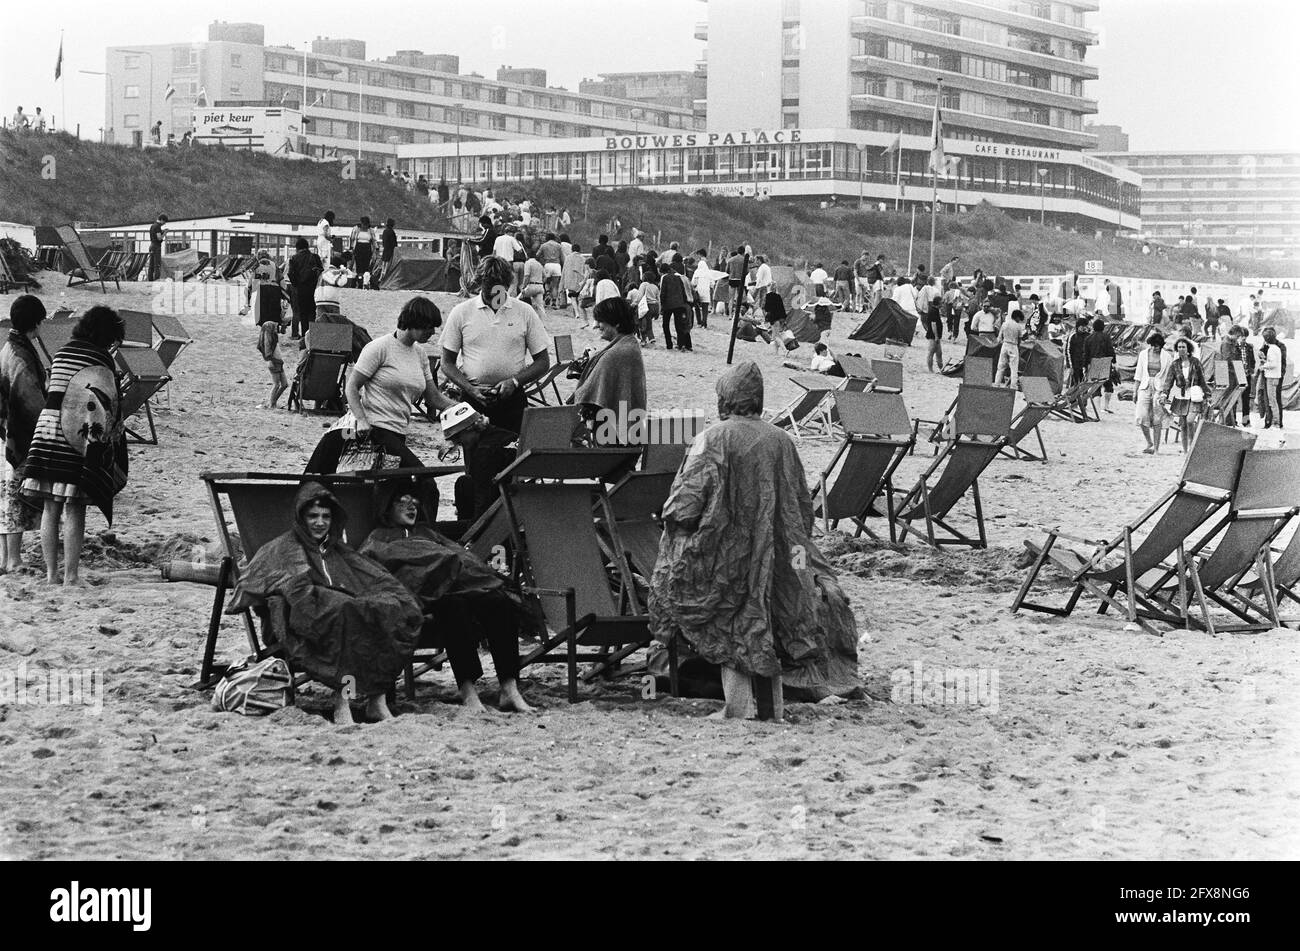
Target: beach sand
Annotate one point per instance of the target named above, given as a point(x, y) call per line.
point(1093, 742)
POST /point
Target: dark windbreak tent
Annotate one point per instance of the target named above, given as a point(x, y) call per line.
point(1037, 357)
point(888, 323)
point(415, 269)
point(789, 282)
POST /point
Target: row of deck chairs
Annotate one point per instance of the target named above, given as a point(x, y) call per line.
point(84, 270)
point(584, 549)
point(1235, 501)
point(224, 267)
point(9, 280)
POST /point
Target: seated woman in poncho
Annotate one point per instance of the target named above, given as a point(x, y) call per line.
point(352, 625)
point(468, 601)
point(738, 575)
point(612, 386)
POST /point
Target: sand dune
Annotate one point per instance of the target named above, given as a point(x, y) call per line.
point(1104, 743)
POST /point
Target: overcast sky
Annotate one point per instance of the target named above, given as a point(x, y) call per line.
point(1177, 74)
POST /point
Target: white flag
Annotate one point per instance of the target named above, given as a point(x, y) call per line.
point(895, 145)
point(937, 161)
point(203, 96)
point(171, 91)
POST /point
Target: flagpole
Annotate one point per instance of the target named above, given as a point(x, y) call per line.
point(911, 238)
point(934, 170)
point(63, 86)
point(898, 173)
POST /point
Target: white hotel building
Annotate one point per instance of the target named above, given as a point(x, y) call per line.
point(805, 98)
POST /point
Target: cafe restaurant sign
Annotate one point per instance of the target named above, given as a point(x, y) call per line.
point(998, 150)
point(690, 140)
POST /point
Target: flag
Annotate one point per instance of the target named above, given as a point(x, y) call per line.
point(950, 165)
point(895, 145)
point(284, 97)
point(171, 91)
point(58, 63)
point(937, 161)
point(203, 96)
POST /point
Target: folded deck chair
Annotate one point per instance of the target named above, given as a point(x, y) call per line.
point(259, 507)
point(1266, 498)
point(980, 424)
point(1040, 403)
point(563, 563)
point(1226, 397)
point(141, 376)
point(979, 370)
point(1095, 380)
point(174, 338)
point(9, 281)
point(85, 271)
point(536, 391)
point(320, 376)
point(809, 413)
point(1208, 479)
point(1284, 569)
point(877, 435)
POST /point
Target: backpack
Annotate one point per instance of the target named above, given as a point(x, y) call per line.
point(254, 688)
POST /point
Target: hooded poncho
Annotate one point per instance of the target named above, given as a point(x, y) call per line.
point(348, 617)
point(738, 574)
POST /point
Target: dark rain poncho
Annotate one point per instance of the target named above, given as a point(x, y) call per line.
point(347, 615)
point(738, 574)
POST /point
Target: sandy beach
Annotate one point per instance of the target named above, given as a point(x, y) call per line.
point(1093, 742)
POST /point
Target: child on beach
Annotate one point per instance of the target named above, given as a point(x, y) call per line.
point(268, 344)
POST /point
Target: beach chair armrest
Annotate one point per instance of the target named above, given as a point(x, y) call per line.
point(548, 592)
point(1057, 533)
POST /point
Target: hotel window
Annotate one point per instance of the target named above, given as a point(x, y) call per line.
point(499, 123)
point(927, 19)
point(131, 61)
point(236, 60)
point(789, 9)
point(790, 85)
point(789, 120)
point(792, 42)
point(131, 92)
point(878, 9)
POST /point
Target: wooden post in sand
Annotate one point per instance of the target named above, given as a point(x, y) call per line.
point(910, 239)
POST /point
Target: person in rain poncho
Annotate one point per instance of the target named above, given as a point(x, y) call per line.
point(738, 575)
point(352, 625)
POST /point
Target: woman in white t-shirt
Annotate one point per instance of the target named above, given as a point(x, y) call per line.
point(325, 238)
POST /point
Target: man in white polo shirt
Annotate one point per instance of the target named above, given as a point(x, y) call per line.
point(493, 346)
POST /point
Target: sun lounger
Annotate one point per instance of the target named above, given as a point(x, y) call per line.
point(85, 271)
point(888, 376)
point(809, 413)
point(1266, 498)
point(549, 498)
point(877, 436)
point(1205, 487)
point(141, 376)
point(980, 425)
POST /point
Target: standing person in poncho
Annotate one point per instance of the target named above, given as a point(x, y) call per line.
point(738, 574)
point(22, 396)
point(78, 452)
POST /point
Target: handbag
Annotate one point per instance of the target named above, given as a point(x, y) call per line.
point(254, 688)
point(365, 455)
point(1195, 394)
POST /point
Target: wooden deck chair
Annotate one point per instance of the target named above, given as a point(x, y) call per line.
point(856, 367)
point(637, 501)
point(9, 281)
point(979, 370)
point(141, 376)
point(320, 376)
point(563, 563)
point(1285, 571)
point(981, 422)
point(214, 267)
point(53, 335)
point(138, 328)
point(877, 435)
point(174, 338)
point(136, 263)
point(84, 271)
point(535, 392)
point(672, 437)
point(888, 376)
point(1266, 498)
point(1208, 479)
point(1095, 380)
point(259, 506)
point(1040, 403)
point(1226, 398)
point(198, 268)
point(810, 410)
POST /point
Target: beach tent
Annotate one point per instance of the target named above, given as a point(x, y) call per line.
point(414, 269)
point(888, 322)
point(800, 323)
point(789, 282)
point(1037, 357)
